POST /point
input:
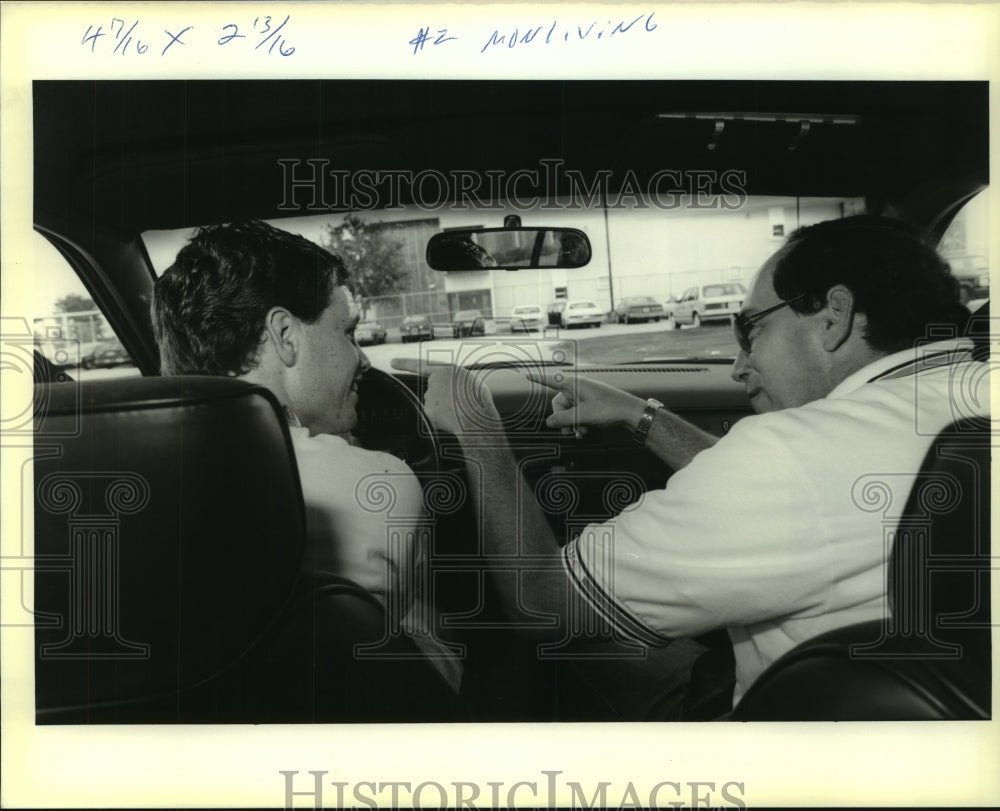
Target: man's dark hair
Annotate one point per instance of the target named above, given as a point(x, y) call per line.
point(209, 305)
point(898, 281)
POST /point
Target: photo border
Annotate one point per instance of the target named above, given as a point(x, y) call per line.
point(900, 764)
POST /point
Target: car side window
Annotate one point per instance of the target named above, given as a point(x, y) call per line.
point(965, 246)
point(67, 327)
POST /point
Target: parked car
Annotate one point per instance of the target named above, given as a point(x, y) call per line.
point(370, 333)
point(416, 328)
point(581, 313)
point(709, 302)
point(526, 318)
point(669, 306)
point(106, 355)
point(468, 322)
point(637, 308)
point(975, 287)
point(554, 312)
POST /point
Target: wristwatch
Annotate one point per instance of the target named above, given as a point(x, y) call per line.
point(646, 420)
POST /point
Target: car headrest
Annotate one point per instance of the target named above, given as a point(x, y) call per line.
point(169, 531)
point(931, 657)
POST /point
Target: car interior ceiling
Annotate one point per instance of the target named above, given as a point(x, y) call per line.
point(137, 149)
point(143, 156)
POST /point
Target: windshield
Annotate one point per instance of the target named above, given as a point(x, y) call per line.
point(679, 257)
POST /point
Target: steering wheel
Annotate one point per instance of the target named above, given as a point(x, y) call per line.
point(391, 418)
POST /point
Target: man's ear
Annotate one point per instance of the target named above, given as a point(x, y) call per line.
point(838, 317)
point(281, 331)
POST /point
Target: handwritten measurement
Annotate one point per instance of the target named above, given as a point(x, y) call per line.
point(126, 36)
point(263, 27)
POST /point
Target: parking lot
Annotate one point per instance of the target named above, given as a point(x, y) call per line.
point(611, 343)
point(608, 344)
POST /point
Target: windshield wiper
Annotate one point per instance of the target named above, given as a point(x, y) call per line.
point(647, 361)
point(517, 364)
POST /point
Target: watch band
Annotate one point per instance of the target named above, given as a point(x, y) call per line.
point(646, 420)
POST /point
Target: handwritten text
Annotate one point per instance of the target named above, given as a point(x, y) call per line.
point(129, 37)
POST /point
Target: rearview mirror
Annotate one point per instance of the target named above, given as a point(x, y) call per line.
point(508, 248)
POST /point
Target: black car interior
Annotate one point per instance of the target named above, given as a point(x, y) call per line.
point(179, 496)
point(172, 520)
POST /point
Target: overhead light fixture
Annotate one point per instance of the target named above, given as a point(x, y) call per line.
point(720, 125)
point(804, 120)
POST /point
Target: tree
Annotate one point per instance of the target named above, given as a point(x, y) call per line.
point(74, 303)
point(373, 258)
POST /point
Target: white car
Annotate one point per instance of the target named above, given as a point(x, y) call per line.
point(709, 302)
point(527, 317)
point(581, 313)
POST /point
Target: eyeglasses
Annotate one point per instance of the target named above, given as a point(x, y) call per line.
point(742, 324)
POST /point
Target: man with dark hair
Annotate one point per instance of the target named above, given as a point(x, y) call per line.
point(251, 301)
point(211, 304)
point(897, 282)
point(762, 532)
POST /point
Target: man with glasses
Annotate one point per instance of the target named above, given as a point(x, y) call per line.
point(758, 532)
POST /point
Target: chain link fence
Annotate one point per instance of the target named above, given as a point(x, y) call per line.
point(390, 311)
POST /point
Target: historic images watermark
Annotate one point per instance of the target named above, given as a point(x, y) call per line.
point(572, 498)
point(935, 526)
point(546, 790)
point(918, 612)
point(30, 432)
point(81, 510)
point(315, 185)
point(414, 578)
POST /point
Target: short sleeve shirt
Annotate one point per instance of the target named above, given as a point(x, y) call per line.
point(349, 493)
point(365, 521)
point(782, 530)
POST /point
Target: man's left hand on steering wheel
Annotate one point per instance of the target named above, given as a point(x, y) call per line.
point(456, 400)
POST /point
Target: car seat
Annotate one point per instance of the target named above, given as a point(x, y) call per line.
point(169, 533)
point(931, 658)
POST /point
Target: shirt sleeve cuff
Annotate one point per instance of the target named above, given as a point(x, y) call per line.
point(603, 603)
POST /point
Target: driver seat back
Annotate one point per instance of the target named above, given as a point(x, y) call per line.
point(930, 659)
point(169, 540)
